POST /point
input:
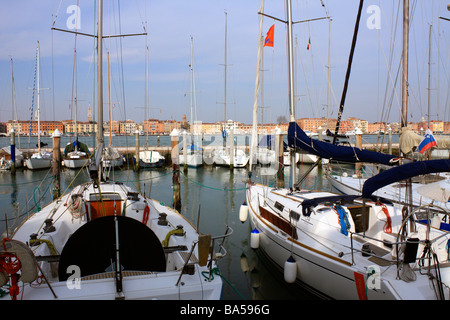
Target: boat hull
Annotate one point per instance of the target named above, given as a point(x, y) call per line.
point(194, 160)
point(111, 163)
point(36, 164)
point(150, 159)
point(75, 163)
point(325, 261)
point(39, 161)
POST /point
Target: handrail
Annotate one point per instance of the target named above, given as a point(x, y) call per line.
point(214, 256)
point(222, 251)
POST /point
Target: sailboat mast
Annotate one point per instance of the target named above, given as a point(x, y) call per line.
point(109, 103)
point(146, 93)
point(100, 138)
point(225, 76)
point(291, 82)
point(429, 74)
point(75, 94)
point(38, 92)
point(192, 80)
point(404, 117)
point(255, 98)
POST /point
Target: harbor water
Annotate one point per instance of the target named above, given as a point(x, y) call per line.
point(210, 197)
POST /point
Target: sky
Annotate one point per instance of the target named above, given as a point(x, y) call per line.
point(374, 88)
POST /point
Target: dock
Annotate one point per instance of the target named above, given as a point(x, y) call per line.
point(166, 150)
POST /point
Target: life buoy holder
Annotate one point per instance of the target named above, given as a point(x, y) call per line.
point(15, 256)
point(388, 225)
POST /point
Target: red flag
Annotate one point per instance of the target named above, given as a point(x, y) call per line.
point(309, 42)
point(268, 42)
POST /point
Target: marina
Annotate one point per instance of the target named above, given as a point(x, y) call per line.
point(104, 210)
point(249, 275)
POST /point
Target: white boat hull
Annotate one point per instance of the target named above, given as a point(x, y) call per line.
point(112, 163)
point(76, 159)
point(150, 159)
point(221, 157)
point(194, 160)
point(75, 163)
point(39, 161)
point(325, 262)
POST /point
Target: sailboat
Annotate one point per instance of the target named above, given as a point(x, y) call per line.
point(340, 246)
point(402, 192)
point(5, 152)
point(191, 155)
point(111, 156)
point(148, 158)
point(105, 240)
point(76, 154)
point(225, 156)
point(41, 159)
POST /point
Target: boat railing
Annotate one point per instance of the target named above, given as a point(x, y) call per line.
point(429, 261)
point(222, 252)
point(370, 252)
point(214, 254)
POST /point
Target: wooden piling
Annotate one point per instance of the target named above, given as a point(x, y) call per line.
point(13, 152)
point(56, 164)
point(176, 170)
point(185, 152)
point(280, 157)
point(358, 142)
point(136, 165)
point(232, 148)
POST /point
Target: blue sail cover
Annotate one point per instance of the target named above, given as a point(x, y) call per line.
point(298, 139)
point(403, 172)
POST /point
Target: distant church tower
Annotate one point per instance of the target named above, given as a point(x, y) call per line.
point(89, 114)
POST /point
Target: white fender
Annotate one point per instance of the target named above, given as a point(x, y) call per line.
point(243, 212)
point(254, 239)
point(290, 270)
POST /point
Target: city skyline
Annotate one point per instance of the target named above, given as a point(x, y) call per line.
point(170, 25)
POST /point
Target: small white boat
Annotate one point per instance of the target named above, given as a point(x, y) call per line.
point(221, 157)
point(150, 159)
point(76, 155)
point(193, 160)
point(40, 160)
point(76, 160)
point(5, 158)
point(111, 157)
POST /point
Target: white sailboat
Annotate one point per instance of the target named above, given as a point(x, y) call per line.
point(41, 159)
point(191, 155)
point(148, 158)
point(104, 240)
point(345, 247)
point(400, 192)
point(224, 156)
point(76, 154)
point(111, 156)
point(5, 152)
